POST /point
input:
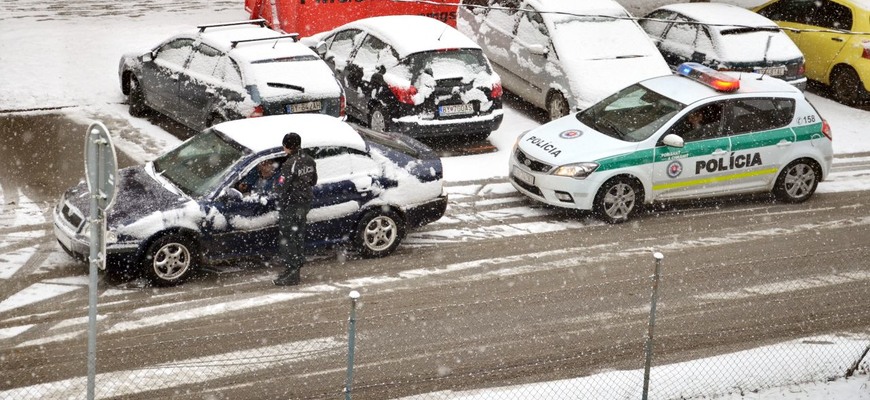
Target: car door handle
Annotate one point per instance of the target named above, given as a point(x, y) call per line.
point(210, 91)
point(784, 143)
point(719, 152)
point(837, 39)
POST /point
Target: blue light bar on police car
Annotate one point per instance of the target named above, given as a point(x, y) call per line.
point(717, 80)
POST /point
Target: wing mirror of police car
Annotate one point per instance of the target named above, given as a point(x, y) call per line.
point(538, 49)
point(672, 140)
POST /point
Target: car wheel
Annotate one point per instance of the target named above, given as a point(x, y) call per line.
point(136, 99)
point(617, 200)
point(379, 233)
point(170, 260)
point(797, 181)
point(378, 120)
point(557, 107)
point(846, 86)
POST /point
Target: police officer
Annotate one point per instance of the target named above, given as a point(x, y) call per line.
point(294, 188)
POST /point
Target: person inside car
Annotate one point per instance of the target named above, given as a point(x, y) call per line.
point(260, 179)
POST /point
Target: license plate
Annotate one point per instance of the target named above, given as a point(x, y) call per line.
point(524, 176)
point(772, 71)
point(455, 109)
point(304, 107)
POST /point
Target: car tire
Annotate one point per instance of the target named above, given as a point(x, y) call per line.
point(136, 98)
point(797, 181)
point(617, 200)
point(557, 106)
point(378, 120)
point(379, 233)
point(846, 86)
point(170, 260)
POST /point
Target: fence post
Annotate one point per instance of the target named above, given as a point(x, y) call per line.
point(652, 322)
point(351, 339)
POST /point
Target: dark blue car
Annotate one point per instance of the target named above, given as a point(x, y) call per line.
point(187, 207)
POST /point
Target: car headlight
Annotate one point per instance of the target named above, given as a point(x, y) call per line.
point(578, 170)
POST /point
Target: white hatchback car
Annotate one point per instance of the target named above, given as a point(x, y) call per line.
point(699, 133)
point(561, 55)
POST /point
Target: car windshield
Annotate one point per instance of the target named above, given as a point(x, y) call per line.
point(632, 114)
point(200, 163)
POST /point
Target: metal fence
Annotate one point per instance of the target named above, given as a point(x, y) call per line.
point(708, 340)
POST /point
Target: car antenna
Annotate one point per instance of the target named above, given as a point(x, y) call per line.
point(442, 32)
point(766, 49)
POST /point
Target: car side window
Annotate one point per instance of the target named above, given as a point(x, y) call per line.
point(175, 53)
point(204, 61)
point(372, 54)
point(343, 43)
point(504, 14)
point(657, 28)
point(797, 11)
point(760, 114)
point(477, 6)
point(532, 30)
point(333, 163)
point(702, 123)
point(682, 31)
point(228, 71)
point(704, 44)
point(831, 15)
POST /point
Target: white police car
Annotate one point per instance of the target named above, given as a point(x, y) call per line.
point(698, 133)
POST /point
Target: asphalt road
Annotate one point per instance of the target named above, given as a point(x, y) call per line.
point(469, 310)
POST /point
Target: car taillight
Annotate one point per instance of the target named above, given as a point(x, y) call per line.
point(826, 130)
point(404, 94)
point(342, 106)
point(496, 90)
point(258, 112)
point(866, 53)
point(802, 69)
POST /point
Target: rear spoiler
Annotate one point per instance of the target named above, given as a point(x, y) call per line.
point(261, 22)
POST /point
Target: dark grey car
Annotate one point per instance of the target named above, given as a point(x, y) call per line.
point(229, 71)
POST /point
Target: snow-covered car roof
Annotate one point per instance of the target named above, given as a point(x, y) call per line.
point(688, 91)
point(316, 130)
point(719, 13)
point(409, 34)
point(747, 46)
point(582, 7)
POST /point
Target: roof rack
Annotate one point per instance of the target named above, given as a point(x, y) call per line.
point(293, 36)
point(261, 22)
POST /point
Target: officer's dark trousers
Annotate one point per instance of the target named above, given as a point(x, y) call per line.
point(291, 244)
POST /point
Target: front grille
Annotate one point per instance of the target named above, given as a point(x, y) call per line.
point(533, 164)
point(71, 215)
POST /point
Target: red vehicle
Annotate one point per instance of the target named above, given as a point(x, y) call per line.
point(307, 17)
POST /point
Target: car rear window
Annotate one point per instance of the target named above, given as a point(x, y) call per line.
point(466, 62)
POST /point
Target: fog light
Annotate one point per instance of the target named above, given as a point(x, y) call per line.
point(564, 196)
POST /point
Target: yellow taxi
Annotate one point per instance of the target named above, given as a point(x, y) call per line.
point(838, 55)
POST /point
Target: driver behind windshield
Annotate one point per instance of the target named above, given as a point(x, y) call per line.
point(260, 179)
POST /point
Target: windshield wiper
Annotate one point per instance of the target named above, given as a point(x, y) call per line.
point(285, 86)
point(611, 126)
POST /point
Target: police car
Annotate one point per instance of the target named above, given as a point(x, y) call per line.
point(697, 133)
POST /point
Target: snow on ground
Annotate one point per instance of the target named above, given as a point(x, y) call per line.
point(72, 63)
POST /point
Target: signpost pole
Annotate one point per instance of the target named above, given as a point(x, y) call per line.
point(101, 169)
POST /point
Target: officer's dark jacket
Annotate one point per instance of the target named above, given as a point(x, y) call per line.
point(296, 180)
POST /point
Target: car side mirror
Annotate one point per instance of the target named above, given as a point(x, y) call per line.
point(320, 49)
point(698, 57)
point(538, 49)
point(233, 194)
point(148, 57)
point(672, 140)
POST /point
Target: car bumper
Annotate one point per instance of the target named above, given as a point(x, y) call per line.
point(417, 127)
point(76, 243)
point(559, 191)
point(799, 83)
point(428, 212)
